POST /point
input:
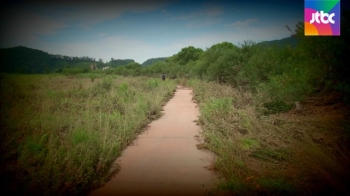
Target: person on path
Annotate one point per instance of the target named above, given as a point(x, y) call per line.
point(163, 76)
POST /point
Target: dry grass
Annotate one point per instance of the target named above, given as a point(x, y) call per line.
point(60, 135)
point(295, 153)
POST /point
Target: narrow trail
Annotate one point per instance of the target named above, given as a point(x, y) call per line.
point(164, 160)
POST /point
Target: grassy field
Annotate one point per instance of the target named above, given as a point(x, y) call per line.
point(60, 135)
point(300, 152)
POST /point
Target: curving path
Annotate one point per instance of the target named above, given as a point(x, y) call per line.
point(164, 160)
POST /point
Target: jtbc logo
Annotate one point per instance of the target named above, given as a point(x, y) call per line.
point(317, 16)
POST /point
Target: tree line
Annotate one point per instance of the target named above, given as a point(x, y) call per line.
point(31, 61)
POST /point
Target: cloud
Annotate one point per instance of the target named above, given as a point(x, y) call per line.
point(23, 26)
point(205, 11)
point(243, 23)
point(26, 21)
point(187, 16)
point(101, 34)
point(214, 11)
point(87, 14)
point(203, 23)
point(207, 15)
point(164, 11)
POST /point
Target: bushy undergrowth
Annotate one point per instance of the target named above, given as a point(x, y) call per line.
point(296, 153)
point(60, 136)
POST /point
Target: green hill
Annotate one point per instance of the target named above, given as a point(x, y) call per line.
point(291, 41)
point(114, 63)
point(24, 60)
point(27, 60)
point(152, 61)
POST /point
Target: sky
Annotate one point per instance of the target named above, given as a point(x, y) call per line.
point(140, 30)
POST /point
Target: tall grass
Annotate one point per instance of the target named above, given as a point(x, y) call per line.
point(296, 153)
point(60, 136)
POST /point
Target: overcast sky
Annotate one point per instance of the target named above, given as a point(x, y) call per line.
point(141, 30)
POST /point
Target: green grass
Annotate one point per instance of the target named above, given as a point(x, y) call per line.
point(60, 135)
point(248, 143)
point(268, 154)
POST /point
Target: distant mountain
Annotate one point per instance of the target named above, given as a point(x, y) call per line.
point(24, 60)
point(119, 62)
point(21, 59)
point(152, 61)
point(291, 41)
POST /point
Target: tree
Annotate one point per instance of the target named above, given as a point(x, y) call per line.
point(332, 50)
point(187, 54)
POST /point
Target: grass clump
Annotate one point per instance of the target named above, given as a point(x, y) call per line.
point(248, 143)
point(274, 107)
point(268, 154)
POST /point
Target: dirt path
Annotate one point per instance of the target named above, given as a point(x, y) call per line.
point(164, 160)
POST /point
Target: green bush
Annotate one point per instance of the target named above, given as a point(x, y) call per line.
point(153, 83)
point(75, 70)
point(107, 83)
point(276, 107)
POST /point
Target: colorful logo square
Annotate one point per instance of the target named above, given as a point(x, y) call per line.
point(322, 18)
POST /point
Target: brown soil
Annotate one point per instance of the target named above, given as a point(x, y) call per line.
point(164, 160)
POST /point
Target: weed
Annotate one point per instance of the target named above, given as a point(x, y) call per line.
point(248, 143)
point(154, 83)
point(92, 78)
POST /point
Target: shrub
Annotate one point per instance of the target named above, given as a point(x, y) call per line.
point(276, 107)
point(107, 83)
